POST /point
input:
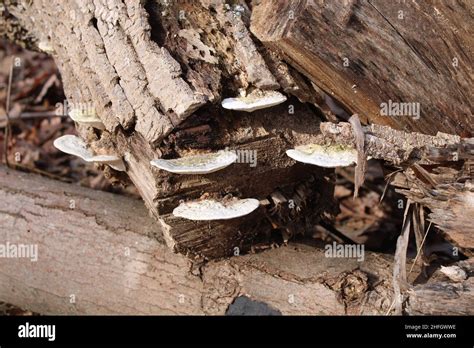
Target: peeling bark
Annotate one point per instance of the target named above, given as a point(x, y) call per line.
point(436, 172)
point(156, 72)
point(158, 99)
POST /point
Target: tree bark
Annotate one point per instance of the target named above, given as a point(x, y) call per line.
point(367, 52)
point(437, 173)
point(99, 253)
point(157, 88)
point(157, 71)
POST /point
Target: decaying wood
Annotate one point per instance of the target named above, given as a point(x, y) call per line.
point(437, 299)
point(397, 147)
point(451, 207)
point(155, 76)
point(100, 253)
point(156, 72)
point(437, 172)
point(364, 53)
point(400, 264)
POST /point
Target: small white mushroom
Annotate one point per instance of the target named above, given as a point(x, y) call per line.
point(254, 101)
point(74, 145)
point(329, 156)
point(206, 210)
point(87, 117)
point(46, 47)
point(455, 273)
point(197, 164)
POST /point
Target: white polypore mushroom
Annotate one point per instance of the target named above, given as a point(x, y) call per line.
point(329, 156)
point(74, 145)
point(87, 117)
point(46, 47)
point(254, 101)
point(206, 210)
point(197, 164)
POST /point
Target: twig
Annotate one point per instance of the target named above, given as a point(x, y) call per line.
point(331, 230)
point(419, 249)
point(51, 81)
point(389, 179)
point(361, 166)
point(29, 169)
point(34, 114)
point(7, 114)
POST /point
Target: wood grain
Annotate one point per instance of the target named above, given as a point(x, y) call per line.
point(111, 256)
point(410, 51)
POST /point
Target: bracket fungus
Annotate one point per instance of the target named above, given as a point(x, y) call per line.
point(254, 101)
point(207, 210)
point(74, 145)
point(46, 47)
point(87, 117)
point(197, 164)
point(329, 156)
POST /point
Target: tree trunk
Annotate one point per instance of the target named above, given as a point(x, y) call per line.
point(157, 71)
point(99, 253)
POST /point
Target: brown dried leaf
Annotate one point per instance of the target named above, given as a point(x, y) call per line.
point(361, 158)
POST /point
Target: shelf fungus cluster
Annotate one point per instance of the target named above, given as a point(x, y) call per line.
point(46, 47)
point(74, 145)
point(328, 156)
point(255, 100)
point(209, 209)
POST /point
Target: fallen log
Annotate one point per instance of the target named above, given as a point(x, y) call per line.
point(100, 253)
point(163, 101)
point(156, 73)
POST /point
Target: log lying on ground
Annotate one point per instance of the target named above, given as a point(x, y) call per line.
point(436, 298)
point(156, 72)
point(100, 253)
